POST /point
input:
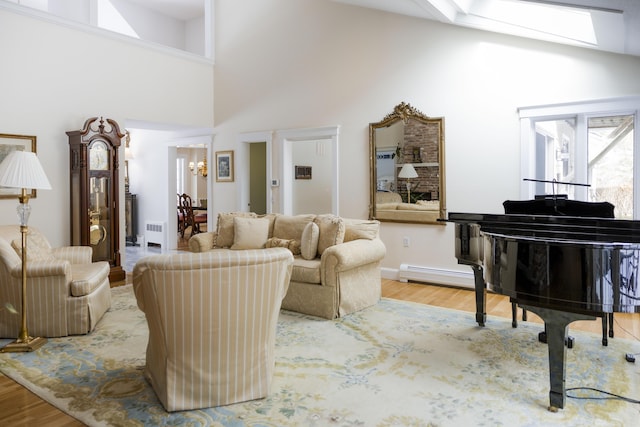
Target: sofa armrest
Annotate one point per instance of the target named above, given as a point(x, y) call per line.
point(74, 254)
point(43, 269)
point(202, 242)
point(350, 255)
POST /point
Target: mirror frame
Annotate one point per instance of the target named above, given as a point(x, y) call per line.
point(406, 112)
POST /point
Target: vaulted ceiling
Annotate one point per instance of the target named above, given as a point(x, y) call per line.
point(614, 24)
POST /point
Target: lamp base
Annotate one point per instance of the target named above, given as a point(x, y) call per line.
point(18, 346)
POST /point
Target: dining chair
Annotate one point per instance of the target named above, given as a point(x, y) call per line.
point(190, 218)
point(181, 216)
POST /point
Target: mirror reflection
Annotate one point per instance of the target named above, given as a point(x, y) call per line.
point(407, 167)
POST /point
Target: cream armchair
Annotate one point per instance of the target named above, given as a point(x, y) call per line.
point(67, 293)
point(212, 322)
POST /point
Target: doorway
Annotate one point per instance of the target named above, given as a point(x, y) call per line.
point(306, 148)
point(258, 177)
point(254, 154)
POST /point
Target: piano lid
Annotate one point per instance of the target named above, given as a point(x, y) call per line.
point(553, 227)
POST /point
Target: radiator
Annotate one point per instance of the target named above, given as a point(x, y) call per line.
point(156, 232)
point(435, 275)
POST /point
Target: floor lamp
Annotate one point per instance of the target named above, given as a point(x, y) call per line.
point(408, 172)
point(22, 169)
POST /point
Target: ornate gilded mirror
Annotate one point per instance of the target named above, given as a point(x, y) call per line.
point(407, 167)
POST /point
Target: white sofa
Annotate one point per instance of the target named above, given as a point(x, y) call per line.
point(336, 269)
point(389, 207)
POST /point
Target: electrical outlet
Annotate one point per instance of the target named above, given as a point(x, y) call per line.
point(405, 241)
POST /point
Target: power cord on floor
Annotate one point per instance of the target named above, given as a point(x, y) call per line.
point(630, 357)
point(615, 320)
point(610, 396)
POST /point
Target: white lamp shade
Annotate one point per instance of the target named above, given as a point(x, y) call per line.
point(22, 169)
point(408, 171)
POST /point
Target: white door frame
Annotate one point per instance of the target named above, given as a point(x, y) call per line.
point(285, 139)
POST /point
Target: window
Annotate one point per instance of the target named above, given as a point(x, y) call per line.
point(585, 151)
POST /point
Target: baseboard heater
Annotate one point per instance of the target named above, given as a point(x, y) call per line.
point(435, 275)
point(155, 232)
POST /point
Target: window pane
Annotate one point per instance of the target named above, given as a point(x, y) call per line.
point(610, 167)
point(556, 156)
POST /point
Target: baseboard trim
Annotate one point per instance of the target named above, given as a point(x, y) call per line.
point(439, 276)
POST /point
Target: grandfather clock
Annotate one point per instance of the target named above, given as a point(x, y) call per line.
point(95, 191)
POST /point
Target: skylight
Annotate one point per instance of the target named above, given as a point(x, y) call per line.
point(556, 21)
point(566, 22)
point(546, 20)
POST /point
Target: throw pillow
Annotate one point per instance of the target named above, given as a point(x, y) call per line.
point(359, 229)
point(37, 249)
point(225, 228)
point(309, 242)
point(331, 231)
point(291, 226)
point(292, 245)
point(250, 233)
point(272, 219)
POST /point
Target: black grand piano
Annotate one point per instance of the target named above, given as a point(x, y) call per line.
point(563, 268)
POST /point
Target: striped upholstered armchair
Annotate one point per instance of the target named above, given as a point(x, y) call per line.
point(67, 293)
point(212, 320)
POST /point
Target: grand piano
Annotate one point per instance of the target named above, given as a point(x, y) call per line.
point(563, 268)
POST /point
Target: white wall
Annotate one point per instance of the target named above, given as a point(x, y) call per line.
point(312, 195)
point(318, 63)
point(53, 78)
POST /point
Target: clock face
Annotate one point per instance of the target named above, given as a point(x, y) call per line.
point(99, 156)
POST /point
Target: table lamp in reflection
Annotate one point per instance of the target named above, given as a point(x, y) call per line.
point(407, 172)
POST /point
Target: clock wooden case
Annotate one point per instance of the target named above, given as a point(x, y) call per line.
point(95, 191)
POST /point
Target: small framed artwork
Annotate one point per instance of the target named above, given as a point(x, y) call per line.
point(303, 172)
point(9, 143)
point(224, 166)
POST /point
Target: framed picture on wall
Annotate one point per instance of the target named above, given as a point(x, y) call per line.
point(224, 166)
point(9, 143)
point(303, 172)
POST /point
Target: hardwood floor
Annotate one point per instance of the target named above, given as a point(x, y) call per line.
point(20, 407)
point(625, 325)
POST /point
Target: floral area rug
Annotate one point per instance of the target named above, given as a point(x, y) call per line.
point(395, 364)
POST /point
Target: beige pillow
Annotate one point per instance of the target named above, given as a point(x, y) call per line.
point(359, 229)
point(272, 220)
point(225, 229)
point(290, 227)
point(37, 249)
point(387, 206)
point(331, 231)
point(413, 207)
point(250, 233)
point(292, 245)
point(309, 242)
point(432, 204)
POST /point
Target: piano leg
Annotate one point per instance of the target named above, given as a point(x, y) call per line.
point(605, 340)
point(556, 324)
point(607, 326)
point(514, 313)
point(481, 295)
